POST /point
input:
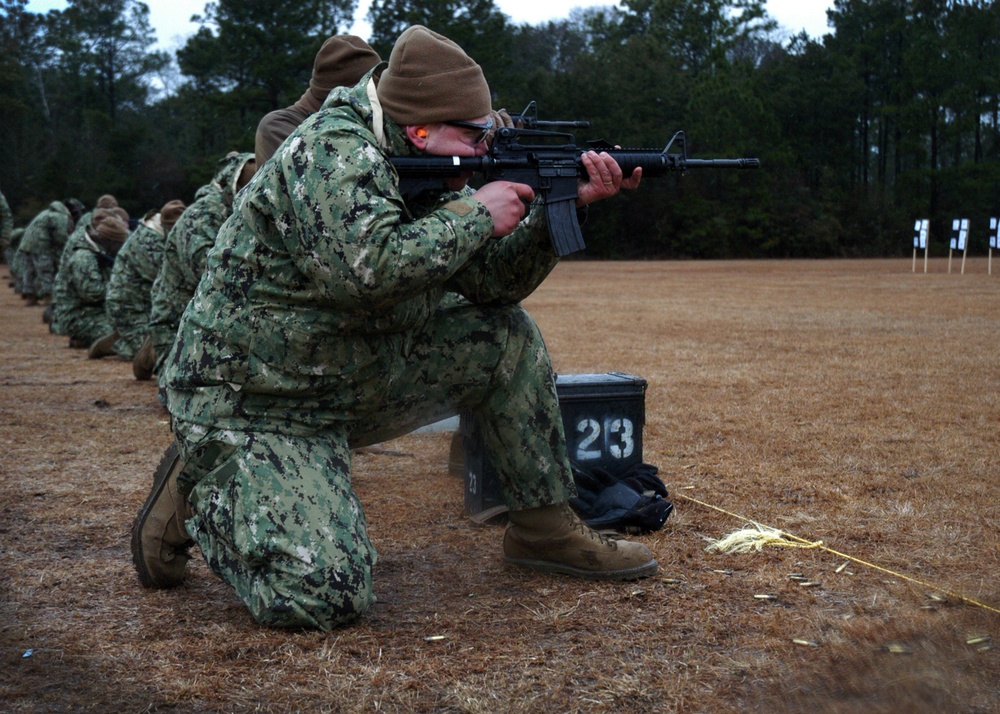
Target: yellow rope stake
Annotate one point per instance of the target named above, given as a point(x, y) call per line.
point(757, 536)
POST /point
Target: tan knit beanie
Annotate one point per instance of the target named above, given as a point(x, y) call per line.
point(113, 229)
point(120, 213)
point(340, 62)
point(430, 79)
point(169, 214)
point(107, 201)
point(99, 214)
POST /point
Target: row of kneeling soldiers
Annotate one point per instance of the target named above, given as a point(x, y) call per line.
point(118, 286)
point(114, 285)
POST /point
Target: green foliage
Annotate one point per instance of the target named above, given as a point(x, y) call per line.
point(81, 78)
point(248, 58)
point(253, 48)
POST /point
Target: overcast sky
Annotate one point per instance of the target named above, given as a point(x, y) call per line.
point(171, 18)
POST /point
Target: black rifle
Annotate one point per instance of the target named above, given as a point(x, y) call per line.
point(544, 156)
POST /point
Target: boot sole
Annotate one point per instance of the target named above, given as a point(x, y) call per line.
point(547, 566)
point(103, 347)
point(171, 460)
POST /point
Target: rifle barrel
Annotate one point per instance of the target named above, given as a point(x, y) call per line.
point(722, 163)
point(656, 163)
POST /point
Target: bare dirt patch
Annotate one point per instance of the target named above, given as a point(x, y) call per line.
point(852, 402)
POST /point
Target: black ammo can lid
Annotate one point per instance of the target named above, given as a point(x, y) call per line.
point(606, 385)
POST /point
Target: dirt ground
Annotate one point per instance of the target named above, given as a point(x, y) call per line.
point(855, 403)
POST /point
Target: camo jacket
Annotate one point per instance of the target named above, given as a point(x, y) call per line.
point(129, 297)
point(48, 231)
point(77, 237)
point(60, 289)
point(322, 274)
point(182, 263)
point(79, 309)
point(185, 251)
point(6, 224)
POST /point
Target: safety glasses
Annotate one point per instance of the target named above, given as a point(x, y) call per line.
point(484, 129)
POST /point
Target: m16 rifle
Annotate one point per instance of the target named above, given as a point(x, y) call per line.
point(544, 155)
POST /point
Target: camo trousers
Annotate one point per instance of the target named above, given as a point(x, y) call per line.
point(86, 324)
point(275, 514)
point(16, 265)
point(38, 276)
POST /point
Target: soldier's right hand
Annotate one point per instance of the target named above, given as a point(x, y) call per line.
point(506, 202)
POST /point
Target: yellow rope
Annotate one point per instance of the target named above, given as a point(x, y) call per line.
point(755, 538)
point(758, 536)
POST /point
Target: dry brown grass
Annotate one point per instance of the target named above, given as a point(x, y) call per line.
point(855, 403)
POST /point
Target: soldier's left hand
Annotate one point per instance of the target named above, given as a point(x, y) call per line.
point(604, 178)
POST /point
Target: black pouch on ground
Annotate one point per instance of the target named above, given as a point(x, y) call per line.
point(633, 502)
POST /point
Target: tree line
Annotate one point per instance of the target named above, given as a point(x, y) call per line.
point(893, 116)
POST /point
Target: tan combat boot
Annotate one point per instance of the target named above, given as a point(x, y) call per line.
point(145, 360)
point(104, 346)
point(553, 539)
point(159, 541)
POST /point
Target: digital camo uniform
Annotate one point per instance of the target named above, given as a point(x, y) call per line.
point(77, 239)
point(6, 229)
point(106, 206)
point(79, 311)
point(41, 246)
point(185, 249)
point(16, 260)
point(106, 202)
point(328, 319)
point(136, 266)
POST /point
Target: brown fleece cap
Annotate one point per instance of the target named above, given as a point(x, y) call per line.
point(112, 228)
point(99, 214)
point(341, 62)
point(169, 214)
point(430, 79)
point(107, 201)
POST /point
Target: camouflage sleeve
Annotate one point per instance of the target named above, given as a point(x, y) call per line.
point(168, 298)
point(85, 277)
point(509, 270)
point(6, 222)
point(148, 256)
point(129, 287)
point(198, 242)
point(59, 230)
point(347, 229)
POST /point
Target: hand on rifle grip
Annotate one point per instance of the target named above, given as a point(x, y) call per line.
point(507, 202)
